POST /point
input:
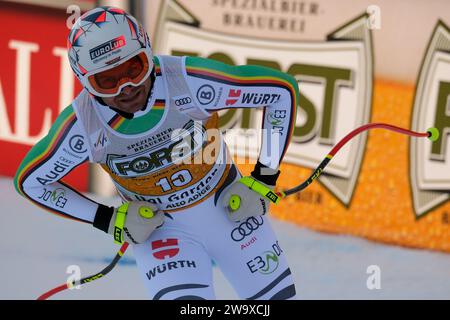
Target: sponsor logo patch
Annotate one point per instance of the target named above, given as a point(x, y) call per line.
point(165, 249)
point(107, 47)
point(267, 262)
point(206, 94)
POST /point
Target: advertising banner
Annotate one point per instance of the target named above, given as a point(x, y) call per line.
point(382, 185)
point(36, 81)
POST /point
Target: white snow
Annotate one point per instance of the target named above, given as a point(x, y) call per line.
point(37, 247)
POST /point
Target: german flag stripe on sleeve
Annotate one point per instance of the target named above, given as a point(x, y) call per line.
point(43, 151)
point(247, 75)
point(157, 66)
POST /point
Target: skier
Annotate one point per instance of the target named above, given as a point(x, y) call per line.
point(151, 122)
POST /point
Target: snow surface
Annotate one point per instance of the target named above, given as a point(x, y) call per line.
point(37, 248)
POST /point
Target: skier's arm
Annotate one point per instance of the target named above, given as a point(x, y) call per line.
point(250, 87)
point(62, 150)
point(53, 157)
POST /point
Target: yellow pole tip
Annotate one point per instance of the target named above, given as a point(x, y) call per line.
point(433, 134)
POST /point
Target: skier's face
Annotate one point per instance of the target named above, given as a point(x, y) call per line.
point(131, 99)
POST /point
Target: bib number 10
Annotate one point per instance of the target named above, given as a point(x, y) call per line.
point(178, 179)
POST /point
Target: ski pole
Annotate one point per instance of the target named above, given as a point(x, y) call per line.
point(91, 278)
point(275, 197)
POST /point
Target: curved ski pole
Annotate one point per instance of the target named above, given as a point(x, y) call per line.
point(275, 197)
point(91, 278)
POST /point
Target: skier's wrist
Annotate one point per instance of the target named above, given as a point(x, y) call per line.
point(103, 217)
point(265, 174)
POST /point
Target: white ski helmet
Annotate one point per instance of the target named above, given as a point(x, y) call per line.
point(102, 39)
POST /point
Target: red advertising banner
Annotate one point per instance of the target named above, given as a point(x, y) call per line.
point(36, 81)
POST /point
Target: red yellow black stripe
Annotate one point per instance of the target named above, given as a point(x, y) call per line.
point(52, 146)
point(117, 120)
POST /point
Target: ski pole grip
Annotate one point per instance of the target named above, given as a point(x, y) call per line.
point(120, 222)
point(264, 191)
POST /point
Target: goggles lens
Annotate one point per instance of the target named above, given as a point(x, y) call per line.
point(134, 70)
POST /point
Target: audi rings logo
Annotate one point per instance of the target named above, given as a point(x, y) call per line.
point(246, 228)
point(183, 101)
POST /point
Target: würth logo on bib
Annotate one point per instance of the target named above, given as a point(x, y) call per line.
point(164, 249)
point(106, 47)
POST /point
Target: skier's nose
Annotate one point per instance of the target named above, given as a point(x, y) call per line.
point(127, 90)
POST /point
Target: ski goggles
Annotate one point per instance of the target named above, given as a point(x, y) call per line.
point(109, 83)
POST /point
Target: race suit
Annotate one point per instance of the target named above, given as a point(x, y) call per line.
point(172, 155)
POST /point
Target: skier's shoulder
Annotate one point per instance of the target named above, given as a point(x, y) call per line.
point(190, 63)
point(193, 65)
point(221, 68)
point(200, 65)
point(66, 125)
point(65, 118)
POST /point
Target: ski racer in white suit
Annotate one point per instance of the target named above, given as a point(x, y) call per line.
point(151, 122)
